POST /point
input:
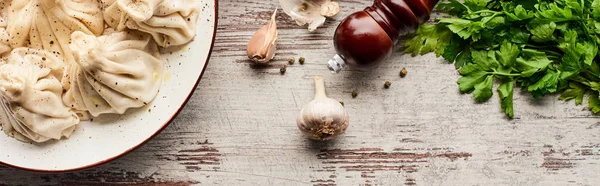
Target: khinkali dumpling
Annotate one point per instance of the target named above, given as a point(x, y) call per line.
point(4, 38)
point(4, 46)
point(170, 22)
point(31, 108)
point(113, 73)
point(48, 24)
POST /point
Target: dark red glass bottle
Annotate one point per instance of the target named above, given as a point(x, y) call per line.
point(365, 39)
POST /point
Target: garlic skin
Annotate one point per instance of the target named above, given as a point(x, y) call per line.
point(311, 12)
point(262, 45)
point(330, 9)
point(323, 118)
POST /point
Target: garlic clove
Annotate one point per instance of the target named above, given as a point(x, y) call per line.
point(262, 45)
point(323, 118)
point(311, 12)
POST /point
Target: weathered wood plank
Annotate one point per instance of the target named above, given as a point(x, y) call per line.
point(239, 127)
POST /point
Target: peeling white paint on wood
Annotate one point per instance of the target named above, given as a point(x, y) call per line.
point(239, 128)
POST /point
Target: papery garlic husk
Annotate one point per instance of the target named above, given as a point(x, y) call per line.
point(323, 118)
point(262, 45)
point(330, 9)
point(311, 12)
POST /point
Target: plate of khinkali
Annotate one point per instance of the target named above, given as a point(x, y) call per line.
point(83, 82)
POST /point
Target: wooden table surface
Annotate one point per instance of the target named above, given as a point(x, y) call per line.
point(239, 128)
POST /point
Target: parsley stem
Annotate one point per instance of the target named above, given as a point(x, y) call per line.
point(582, 82)
point(549, 50)
point(488, 11)
point(503, 74)
point(596, 75)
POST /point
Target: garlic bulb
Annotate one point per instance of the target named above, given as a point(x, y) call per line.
point(262, 45)
point(311, 12)
point(323, 118)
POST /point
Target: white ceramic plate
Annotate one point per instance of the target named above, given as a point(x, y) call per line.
point(107, 138)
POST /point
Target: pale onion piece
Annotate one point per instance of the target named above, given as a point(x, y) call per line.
point(262, 45)
point(309, 12)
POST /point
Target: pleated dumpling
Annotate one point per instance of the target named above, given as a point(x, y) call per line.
point(113, 73)
point(31, 108)
point(170, 22)
point(48, 24)
point(4, 38)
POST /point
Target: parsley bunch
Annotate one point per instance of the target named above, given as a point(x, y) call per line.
point(542, 46)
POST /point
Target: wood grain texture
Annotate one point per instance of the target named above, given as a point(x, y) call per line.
point(239, 128)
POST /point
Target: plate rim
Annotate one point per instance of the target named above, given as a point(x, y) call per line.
point(169, 121)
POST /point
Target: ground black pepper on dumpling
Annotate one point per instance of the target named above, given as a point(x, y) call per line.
point(113, 73)
point(170, 22)
point(31, 108)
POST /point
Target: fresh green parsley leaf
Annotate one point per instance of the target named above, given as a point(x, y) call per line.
point(575, 91)
point(553, 12)
point(476, 5)
point(430, 38)
point(547, 84)
point(519, 14)
point(594, 103)
point(463, 58)
point(531, 62)
point(505, 91)
point(595, 86)
point(571, 64)
point(467, 83)
point(543, 46)
point(596, 9)
point(508, 54)
point(483, 90)
point(464, 28)
point(568, 43)
point(492, 22)
point(519, 36)
point(456, 47)
point(542, 31)
point(453, 7)
point(478, 76)
point(590, 50)
point(575, 6)
point(485, 59)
